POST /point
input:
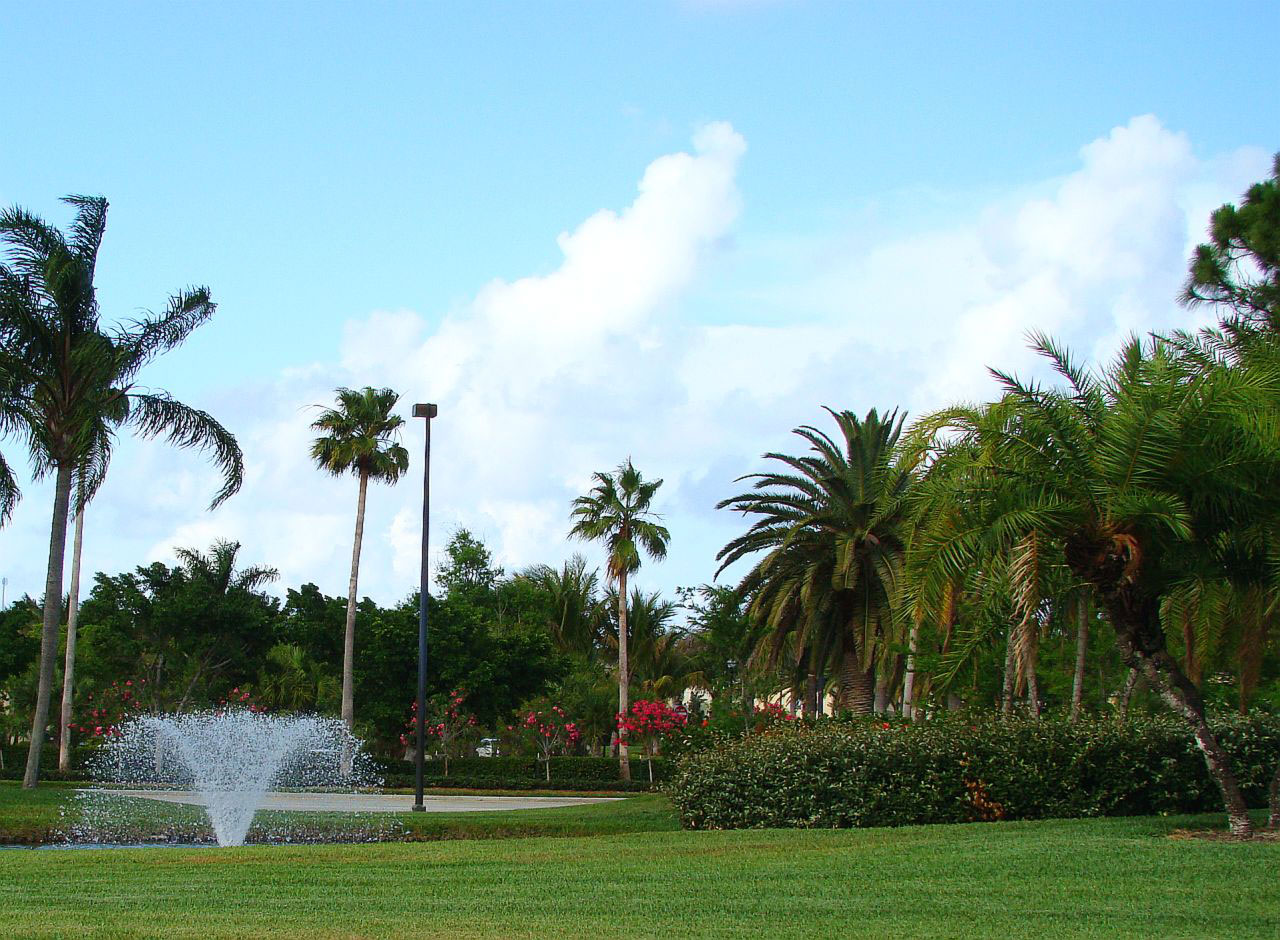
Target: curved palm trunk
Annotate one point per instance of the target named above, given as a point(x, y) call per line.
point(1082, 650)
point(52, 621)
point(624, 675)
point(1140, 639)
point(1176, 689)
point(349, 638)
point(69, 663)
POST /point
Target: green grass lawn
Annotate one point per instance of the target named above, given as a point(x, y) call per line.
point(1077, 878)
point(29, 817)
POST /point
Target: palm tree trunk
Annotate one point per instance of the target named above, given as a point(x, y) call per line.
point(857, 685)
point(1082, 649)
point(624, 675)
point(1032, 656)
point(882, 694)
point(1010, 672)
point(69, 663)
point(1162, 673)
point(811, 695)
point(52, 621)
point(1126, 693)
point(349, 638)
point(909, 680)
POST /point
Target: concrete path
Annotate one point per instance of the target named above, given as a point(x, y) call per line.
point(380, 802)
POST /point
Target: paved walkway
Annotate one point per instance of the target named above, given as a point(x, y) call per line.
point(380, 802)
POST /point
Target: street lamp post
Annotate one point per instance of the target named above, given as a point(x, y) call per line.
point(428, 412)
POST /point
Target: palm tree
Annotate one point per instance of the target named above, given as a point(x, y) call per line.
point(360, 437)
point(831, 527)
point(657, 653)
point(1137, 475)
point(68, 386)
point(576, 617)
point(218, 579)
point(617, 513)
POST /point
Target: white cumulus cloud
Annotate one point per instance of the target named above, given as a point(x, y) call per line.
point(544, 379)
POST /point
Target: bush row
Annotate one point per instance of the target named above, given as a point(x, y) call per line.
point(864, 773)
point(15, 763)
point(529, 773)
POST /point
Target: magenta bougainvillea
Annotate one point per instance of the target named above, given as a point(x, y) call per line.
point(447, 723)
point(551, 732)
point(647, 723)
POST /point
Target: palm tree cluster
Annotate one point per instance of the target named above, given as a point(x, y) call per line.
point(68, 384)
point(967, 558)
point(1140, 495)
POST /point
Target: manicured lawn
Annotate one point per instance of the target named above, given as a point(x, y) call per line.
point(31, 816)
point(41, 815)
point(1079, 878)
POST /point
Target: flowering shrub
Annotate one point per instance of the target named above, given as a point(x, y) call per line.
point(104, 713)
point(830, 774)
point(724, 723)
point(769, 714)
point(446, 722)
point(551, 733)
point(648, 723)
point(239, 698)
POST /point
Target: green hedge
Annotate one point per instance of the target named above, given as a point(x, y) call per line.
point(529, 773)
point(15, 763)
point(870, 773)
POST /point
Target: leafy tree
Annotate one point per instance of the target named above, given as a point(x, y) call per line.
point(314, 622)
point(193, 631)
point(68, 386)
point(468, 569)
point(574, 614)
point(831, 526)
point(500, 669)
point(723, 637)
point(359, 436)
point(616, 513)
point(19, 636)
point(658, 651)
point(289, 680)
point(1239, 267)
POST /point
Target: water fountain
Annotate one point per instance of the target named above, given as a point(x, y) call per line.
point(226, 761)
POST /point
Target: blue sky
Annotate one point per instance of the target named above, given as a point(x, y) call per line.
point(877, 200)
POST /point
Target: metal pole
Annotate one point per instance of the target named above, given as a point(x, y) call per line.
point(428, 412)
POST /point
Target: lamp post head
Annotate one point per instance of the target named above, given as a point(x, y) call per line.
point(424, 411)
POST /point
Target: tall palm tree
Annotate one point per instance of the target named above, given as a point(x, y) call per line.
point(1138, 475)
point(360, 436)
point(831, 528)
point(68, 386)
point(616, 513)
